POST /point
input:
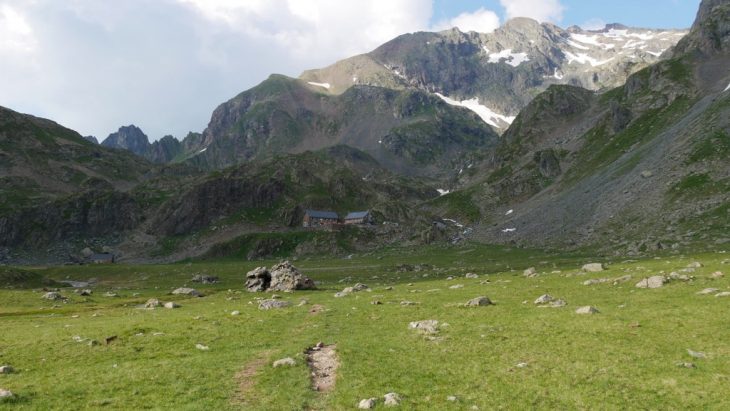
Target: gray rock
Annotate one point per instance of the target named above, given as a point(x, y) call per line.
point(152, 303)
point(202, 347)
point(85, 293)
point(286, 277)
point(588, 309)
point(171, 305)
point(478, 302)
point(258, 280)
point(558, 303)
point(593, 267)
point(646, 174)
point(406, 302)
point(679, 277)
point(696, 354)
point(87, 252)
point(340, 294)
point(204, 279)
point(471, 275)
point(187, 291)
point(236, 312)
point(53, 296)
point(425, 326)
point(111, 294)
point(285, 362)
point(717, 274)
point(652, 282)
point(695, 264)
point(356, 288)
point(544, 299)
point(6, 369)
point(530, 272)
point(391, 399)
point(367, 404)
point(723, 294)
point(273, 304)
point(5, 394)
point(594, 281)
point(451, 398)
point(708, 291)
point(456, 286)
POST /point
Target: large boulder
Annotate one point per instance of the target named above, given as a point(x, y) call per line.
point(652, 282)
point(258, 279)
point(286, 277)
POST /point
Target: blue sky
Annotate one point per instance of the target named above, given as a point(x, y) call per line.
point(635, 13)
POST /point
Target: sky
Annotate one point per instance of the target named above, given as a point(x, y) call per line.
point(164, 65)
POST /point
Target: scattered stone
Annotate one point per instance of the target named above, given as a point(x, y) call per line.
point(479, 302)
point(723, 294)
point(366, 404)
point(530, 272)
point(685, 364)
point(449, 278)
point(340, 294)
point(558, 303)
point(6, 369)
point(285, 362)
point(425, 326)
point(187, 291)
point(303, 302)
point(593, 267)
point(234, 313)
point(273, 304)
point(522, 365)
point(85, 293)
point(646, 174)
point(471, 275)
point(695, 264)
point(356, 288)
point(388, 288)
point(594, 281)
point(152, 303)
point(171, 305)
point(376, 302)
point(53, 296)
point(622, 279)
point(652, 282)
point(679, 277)
point(204, 279)
point(93, 343)
point(456, 286)
point(406, 302)
point(717, 274)
point(708, 291)
point(588, 309)
point(451, 398)
point(391, 399)
point(544, 299)
point(5, 394)
point(111, 294)
point(110, 339)
point(202, 347)
point(696, 354)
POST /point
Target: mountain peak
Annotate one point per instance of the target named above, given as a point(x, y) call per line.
point(129, 138)
point(710, 32)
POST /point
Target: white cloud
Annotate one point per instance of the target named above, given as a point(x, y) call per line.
point(540, 10)
point(16, 35)
point(481, 21)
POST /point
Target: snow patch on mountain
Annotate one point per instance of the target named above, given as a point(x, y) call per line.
point(576, 45)
point(488, 115)
point(513, 59)
point(443, 192)
point(726, 88)
point(325, 85)
point(592, 40)
point(582, 58)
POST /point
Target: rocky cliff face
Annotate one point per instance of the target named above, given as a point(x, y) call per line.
point(497, 74)
point(408, 131)
point(128, 138)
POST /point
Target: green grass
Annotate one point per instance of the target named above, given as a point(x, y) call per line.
point(574, 362)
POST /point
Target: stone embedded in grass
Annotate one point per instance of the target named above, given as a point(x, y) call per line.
point(723, 294)
point(471, 275)
point(284, 362)
point(717, 274)
point(286, 277)
point(204, 279)
point(53, 296)
point(696, 354)
point(544, 299)
point(152, 303)
point(5, 394)
point(680, 277)
point(356, 288)
point(273, 304)
point(340, 294)
point(530, 272)
point(695, 264)
point(6, 369)
point(303, 302)
point(588, 309)
point(456, 286)
point(391, 399)
point(685, 364)
point(111, 294)
point(187, 291)
point(85, 293)
point(652, 282)
point(171, 305)
point(367, 404)
point(235, 312)
point(425, 326)
point(479, 302)
point(451, 398)
point(708, 291)
point(593, 267)
point(202, 347)
point(406, 303)
point(558, 303)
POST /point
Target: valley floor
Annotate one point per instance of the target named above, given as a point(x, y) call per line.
point(639, 352)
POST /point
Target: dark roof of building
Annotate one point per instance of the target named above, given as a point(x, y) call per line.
point(322, 214)
point(104, 256)
point(357, 214)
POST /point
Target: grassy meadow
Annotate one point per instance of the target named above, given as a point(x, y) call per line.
point(511, 355)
